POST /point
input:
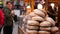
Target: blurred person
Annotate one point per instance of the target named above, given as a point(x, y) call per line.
point(1, 19)
point(15, 18)
point(52, 11)
point(8, 20)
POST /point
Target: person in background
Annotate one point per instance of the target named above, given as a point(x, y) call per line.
point(52, 11)
point(1, 19)
point(15, 16)
point(8, 20)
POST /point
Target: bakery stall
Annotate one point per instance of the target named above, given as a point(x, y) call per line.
point(37, 21)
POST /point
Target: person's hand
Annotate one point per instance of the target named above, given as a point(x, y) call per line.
point(12, 12)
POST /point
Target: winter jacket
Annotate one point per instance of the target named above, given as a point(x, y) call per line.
point(8, 20)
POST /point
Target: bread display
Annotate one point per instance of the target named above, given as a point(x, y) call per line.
point(32, 27)
point(44, 32)
point(33, 23)
point(45, 23)
point(40, 23)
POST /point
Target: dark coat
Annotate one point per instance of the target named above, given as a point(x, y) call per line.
point(52, 12)
point(8, 17)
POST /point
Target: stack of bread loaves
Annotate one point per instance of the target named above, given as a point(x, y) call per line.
point(32, 27)
point(40, 23)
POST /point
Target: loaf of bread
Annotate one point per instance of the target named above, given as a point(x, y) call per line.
point(32, 27)
point(54, 29)
point(45, 24)
point(33, 23)
point(45, 28)
point(50, 20)
point(44, 32)
point(31, 31)
point(40, 13)
point(38, 18)
point(32, 14)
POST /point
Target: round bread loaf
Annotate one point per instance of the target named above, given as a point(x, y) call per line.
point(38, 18)
point(31, 32)
point(32, 27)
point(33, 23)
point(40, 13)
point(45, 28)
point(32, 14)
point(50, 20)
point(44, 32)
point(54, 29)
point(45, 24)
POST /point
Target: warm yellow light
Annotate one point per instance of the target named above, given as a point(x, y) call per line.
point(52, 4)
point(0, 2)
point(39, 6)
point(28, 7)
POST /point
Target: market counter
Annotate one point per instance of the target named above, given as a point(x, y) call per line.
point(21, 29)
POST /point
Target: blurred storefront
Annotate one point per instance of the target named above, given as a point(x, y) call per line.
point(1, 3)
point(4, 2)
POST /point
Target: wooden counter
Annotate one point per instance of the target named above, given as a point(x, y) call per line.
point(20, 30)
